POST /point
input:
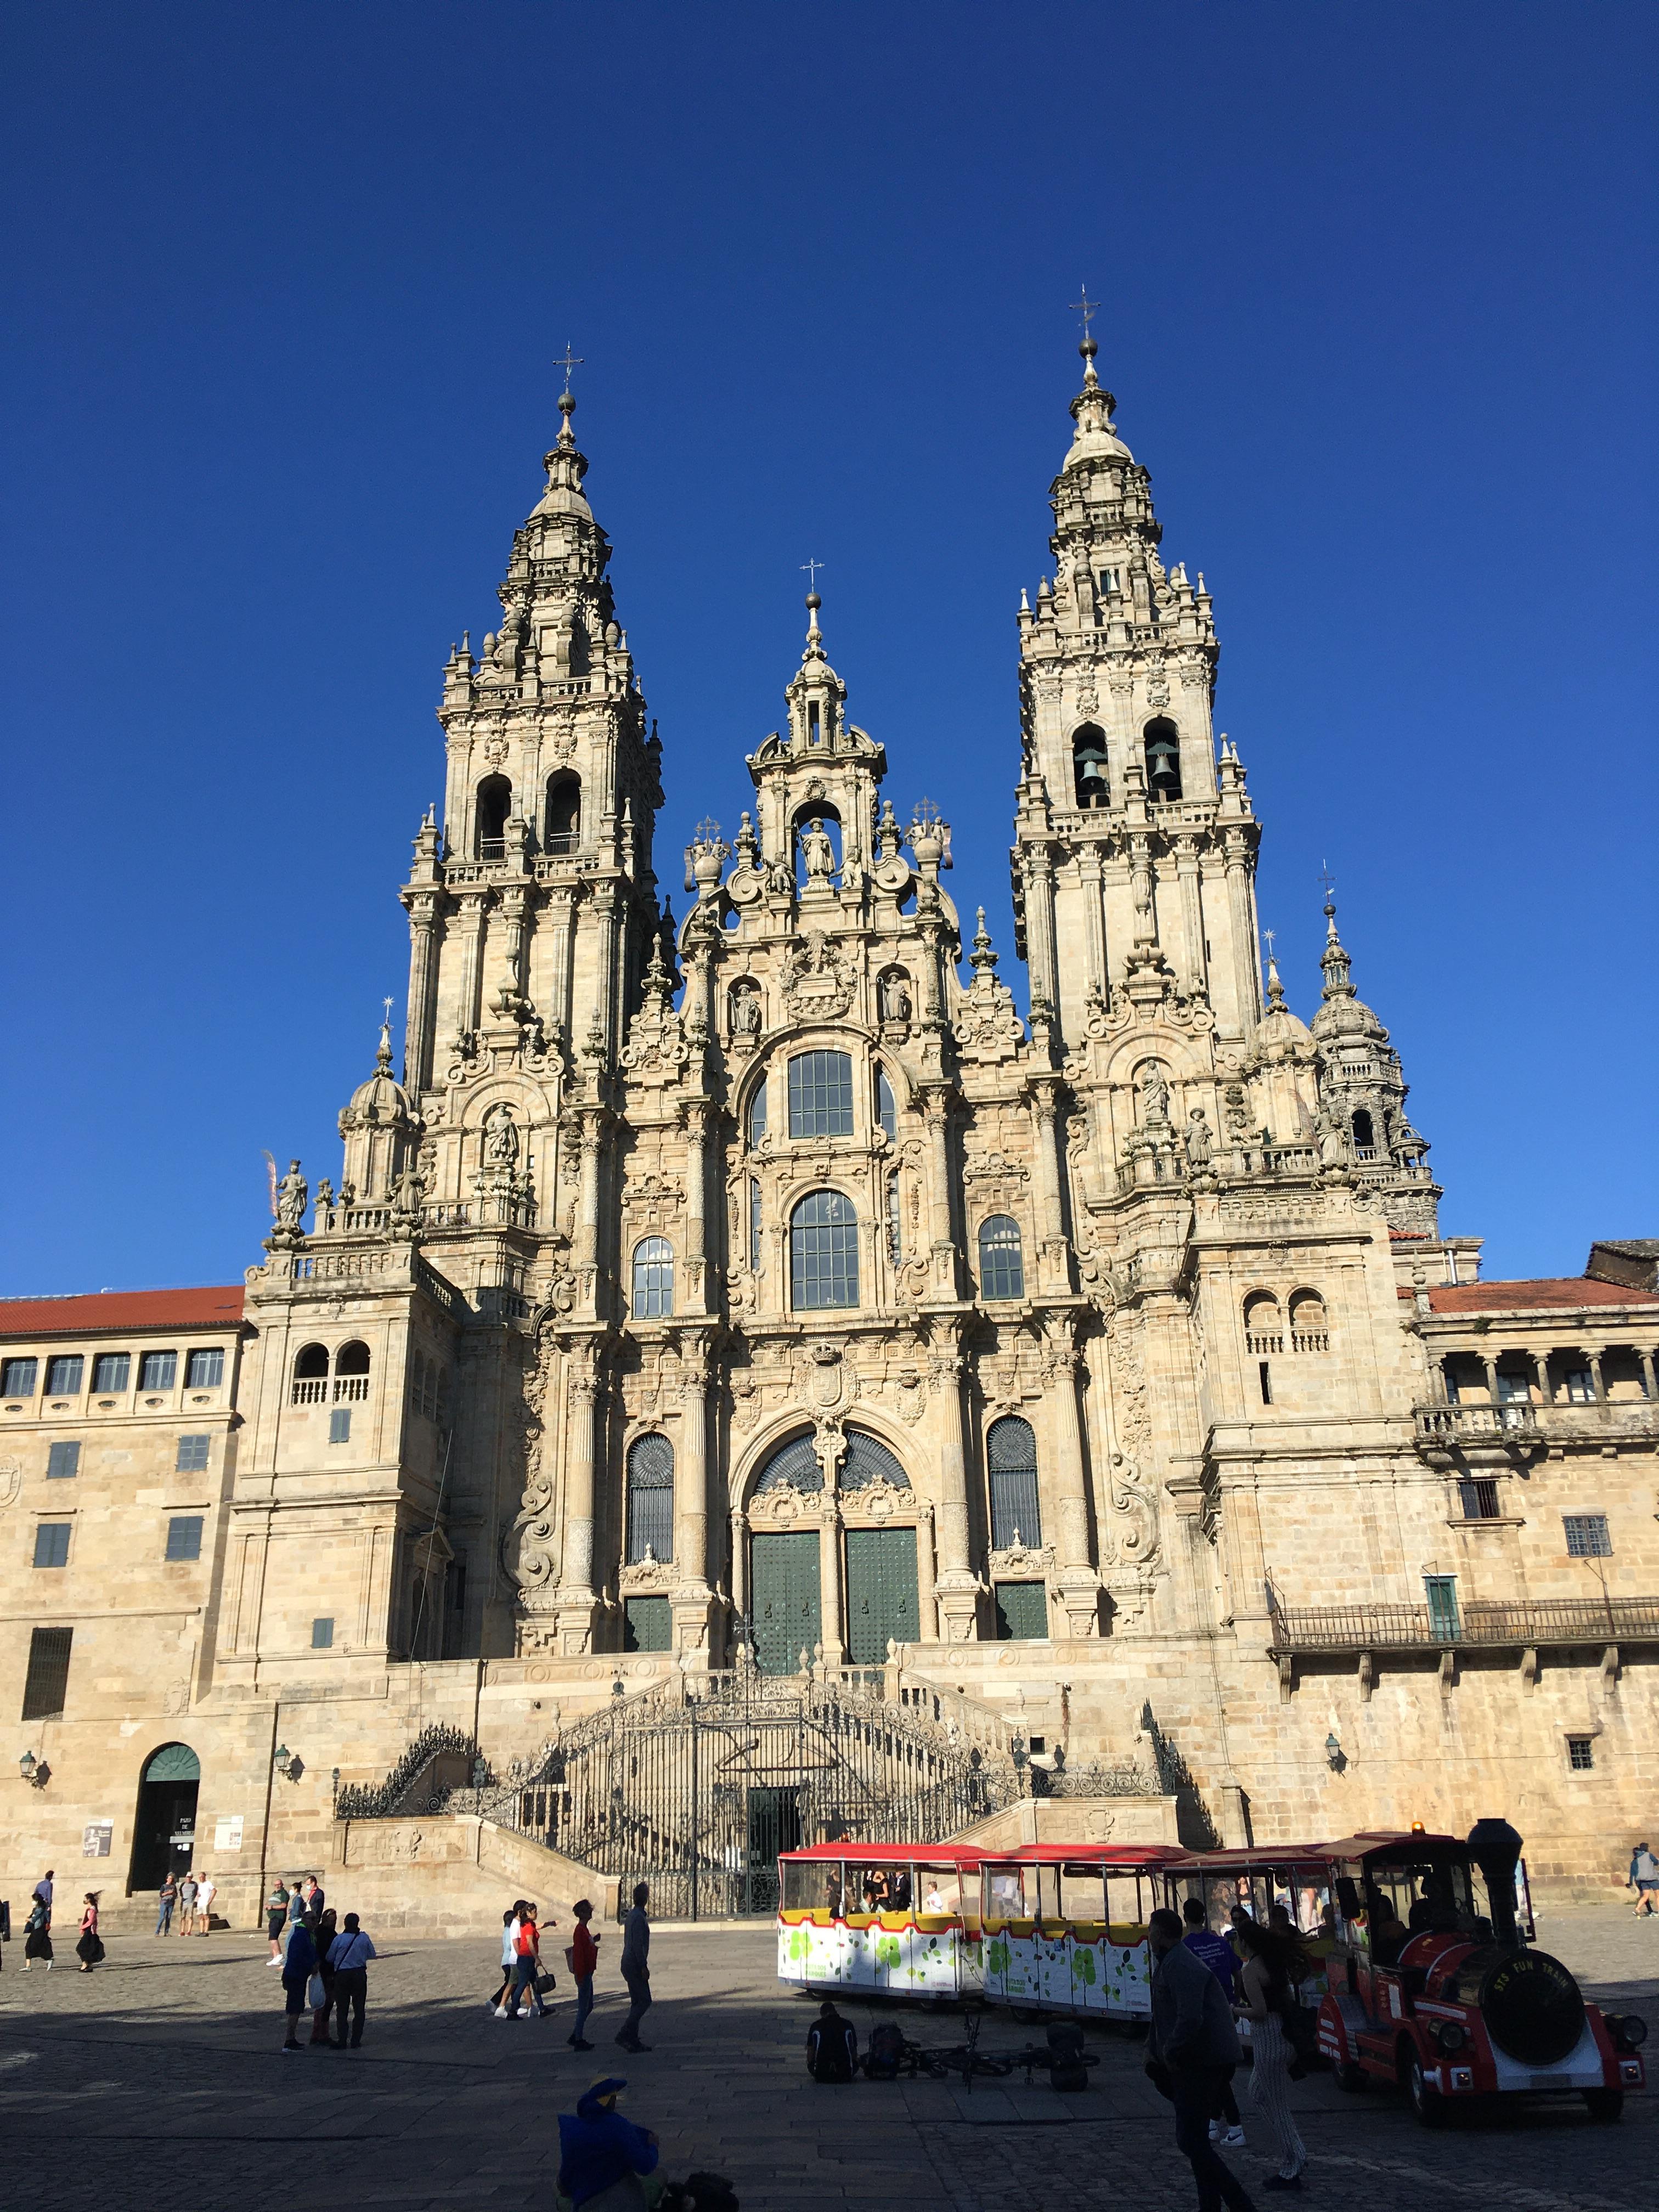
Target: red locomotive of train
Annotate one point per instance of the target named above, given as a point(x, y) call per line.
point(1433, 1987)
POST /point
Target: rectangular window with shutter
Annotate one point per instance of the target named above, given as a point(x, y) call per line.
point(47, 1682)
point(184, 1536)
point(62, 1460)
point(51, 1542)
point(192, 1455)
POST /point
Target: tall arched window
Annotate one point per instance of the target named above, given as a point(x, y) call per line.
point(564, 813)
point(821, 1094)
point(1264, 1325)
point(1011, 1453)
point(653, 1278)
point(1163, 760)
point(886, 1111)
point(650, 1498)
point(1001, 1260)
point(1365, 1133)
point(311, 1375)
point(1089, 771)
point(351, 1374)
point(823, 1252)
point(494, 805)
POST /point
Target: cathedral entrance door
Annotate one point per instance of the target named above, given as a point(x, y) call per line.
point(783, 1573)
point(164, 1832)
point(882, 1599)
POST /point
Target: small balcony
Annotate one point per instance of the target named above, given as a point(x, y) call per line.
point(1482, 1625)
point(1518, 1427)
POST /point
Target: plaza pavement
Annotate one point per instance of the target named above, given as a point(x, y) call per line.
point(157, 2085)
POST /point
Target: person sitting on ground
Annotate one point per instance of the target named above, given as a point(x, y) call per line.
point(600, 2153)
point(832, 2047)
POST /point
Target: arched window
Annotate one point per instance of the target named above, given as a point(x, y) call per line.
point(564, 813)
point(653, 1278)
point(1010, 1454)
point(1089, 771)
point(351, 1374)
point(1264, 1328)
point(1365, 1133)
point(821, 1094)
point(311, 1375)
point(757, 1115)
point(494, 805)
point(794, 1466)
point(1163, 760)
point(650, 1498)
point(1309, 1325)
point(868, 1460)
point(1001, 1260)
point(886, 1111)
point(823, 1252)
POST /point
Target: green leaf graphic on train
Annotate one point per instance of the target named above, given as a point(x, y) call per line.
point(996, 1956)
point(1083, 1966)
point(887, 1951)
point(800, 1944)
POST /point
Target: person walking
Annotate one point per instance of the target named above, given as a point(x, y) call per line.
point(1192, 2044)
point(601, 2154)
point(167, 1898)
point(1644, 1879)
point(187, 1906)
point(584, 1957)
point(90, 1948)
point(509, 1957)
point(527, 1964)
point(42, 1891)
point(322, 1981)
point(636, 1967)
point(298, 1966)
point(1267, 1989)
point(349, 1955)
point(37, 1929)
point(315, 1902)
point(277, 1919)
point(1219, 1955)
point(206, 1889)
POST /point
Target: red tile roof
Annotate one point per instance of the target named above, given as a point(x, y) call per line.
point(217, 1306)
point(1550, 1293)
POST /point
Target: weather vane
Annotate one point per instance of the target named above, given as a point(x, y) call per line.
point(1327, 880)
point(810, 570)
point(1087, 308)
point(1268, 935)
point(567, 361)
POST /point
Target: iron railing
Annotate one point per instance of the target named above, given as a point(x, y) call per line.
point(1522, 1622)
point(423, 1780)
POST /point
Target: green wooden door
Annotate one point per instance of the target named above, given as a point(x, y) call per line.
point(783, 1604)
point(881, 1592)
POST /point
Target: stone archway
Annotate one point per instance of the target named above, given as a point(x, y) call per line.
point(164, 1826)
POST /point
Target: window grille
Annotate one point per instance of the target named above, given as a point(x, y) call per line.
point(1478, 1496)
point(65, 1371)
point(1581, 1753)
point(1011, 1455)
point(794, 1466)
point(192, 1455)
point(110, 1371)
point(184, 1536)
point(886, 1111)
point(823, 1251)
point(650, 1498)
point(46, 1684)
point(1001, 1258)
point(17, 1379)
point(51, 1540)
point(653, 1278)
point(322, 1634)
point(62, 1460)
point(868, 1460)
point(1586, 1536)
point(339, 1424)
point(158, 1370)
point(821, 1094)
point(204, 1370)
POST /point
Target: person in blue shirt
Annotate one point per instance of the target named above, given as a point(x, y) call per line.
point(1219, 1956)
point(299, 1963)
point(598, 2149)
point(349, 1955)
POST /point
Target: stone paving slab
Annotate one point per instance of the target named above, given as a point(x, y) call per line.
point(158, 2082)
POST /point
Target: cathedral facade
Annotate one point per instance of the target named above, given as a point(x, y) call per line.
point(769, 1283)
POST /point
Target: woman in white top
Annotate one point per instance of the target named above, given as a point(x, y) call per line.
point(509, 1953)
point(206, 1889)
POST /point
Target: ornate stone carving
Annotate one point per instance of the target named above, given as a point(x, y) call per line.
point(819, 978)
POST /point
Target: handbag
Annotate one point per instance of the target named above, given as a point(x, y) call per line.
point(316, 1994)
point(545, 1984)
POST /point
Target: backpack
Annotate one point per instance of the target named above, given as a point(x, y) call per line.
point(886, 2054)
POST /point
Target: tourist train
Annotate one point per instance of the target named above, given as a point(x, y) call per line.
point(1418, 1948)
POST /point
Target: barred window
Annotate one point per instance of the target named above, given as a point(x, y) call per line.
point(158, 1370)
point(110, 1371)
point(52, 1541)
point(821, 1094)
point(823, 1251)
point(46, 1684)
point(1002, 1260)
point(1581, 1753)
point(653, 1278)
point(794, 1466)
point(1011, 1452)
point(184, 1536)
point(64, 1370)
point(868, 1460)
point(63, 1459)
point(1586, 1536)
point(1478, 1494)
point(650, 1498)
point(17, 1379)
point(886, 1111)
point(204, 1370)
point(192, 1455)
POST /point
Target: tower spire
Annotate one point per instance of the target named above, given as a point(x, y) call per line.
point(1338, 969)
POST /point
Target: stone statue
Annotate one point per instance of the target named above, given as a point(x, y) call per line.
point(1154, 1094)
point(1199, 1141)
point(291, 1194)
point(818, 852)
point(745, 1013)
point(893, 992)
point(500, 1138)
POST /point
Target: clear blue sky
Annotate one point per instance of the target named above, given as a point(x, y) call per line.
point(282, 285)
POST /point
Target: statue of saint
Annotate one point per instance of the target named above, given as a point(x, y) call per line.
point(1199, 1141)
point(1154, 1094)
point(500, 1138)
point(893, 992)
point(745, 1013)
point(291, 1194)
point(818, 852)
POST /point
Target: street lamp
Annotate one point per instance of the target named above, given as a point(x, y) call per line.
point(1333, 1757)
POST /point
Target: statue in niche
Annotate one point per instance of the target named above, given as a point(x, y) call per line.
point(1154, 1094)
point(500, 1138)
point(1199, 1141)
point(893, 996)
point(745, 1013)
point(818, 852)
point(291, 1194)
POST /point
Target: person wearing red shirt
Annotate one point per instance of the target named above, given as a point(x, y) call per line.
point(584, 1957)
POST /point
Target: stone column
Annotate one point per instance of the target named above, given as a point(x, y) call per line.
point(472, 935)
point(1541, 1360)
point(696, 1192)
point(1650, 1389)
point(417, 1019)
point(1490, 1366)
point(1040, 926)
point(834, 1648)
point(577, 1604)
point(1053, 1264)
point(560, 912)
point(604, 995)
point(1088, 875)
point(587, 1210)
point(1246, 968)
point(1079, 1584)
point(693, 1507)
point(1195, 969)
point(936, 1109)
point(956, 1587)
point(1597, 1383)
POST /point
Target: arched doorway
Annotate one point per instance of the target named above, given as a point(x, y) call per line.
point(164, 1832)
point(853, 1586)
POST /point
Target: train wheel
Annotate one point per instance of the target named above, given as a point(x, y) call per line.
point(1350, 2076)
point(1605, 2104)
point(1428, 2106)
